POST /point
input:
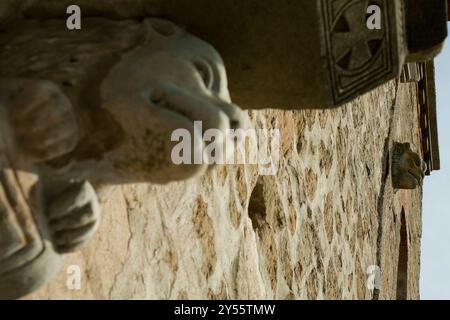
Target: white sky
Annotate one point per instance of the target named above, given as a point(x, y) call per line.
point(435, 259)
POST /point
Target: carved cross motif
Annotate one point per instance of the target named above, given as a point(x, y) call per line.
point(354, 45)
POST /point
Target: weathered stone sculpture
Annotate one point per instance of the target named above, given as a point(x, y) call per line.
point(31, 241)
point(37, 124)
point(27, 258)
point(408, 169)
point(100, 106)
point(130, 84)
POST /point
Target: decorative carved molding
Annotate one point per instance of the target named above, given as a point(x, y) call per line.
point(426, 91)
point(360, 59)
point(412, 72)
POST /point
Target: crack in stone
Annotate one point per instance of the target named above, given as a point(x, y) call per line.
point(116, 276)
point(171, 243)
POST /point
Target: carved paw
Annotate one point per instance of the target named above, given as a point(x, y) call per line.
point(73, 216)
point(43, 121)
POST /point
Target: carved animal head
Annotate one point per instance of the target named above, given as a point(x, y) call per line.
point(167, 83)
point(131, 84)
point(408, 169)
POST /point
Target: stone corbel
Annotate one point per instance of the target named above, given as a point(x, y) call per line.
point(408, 169)
point(91, 108)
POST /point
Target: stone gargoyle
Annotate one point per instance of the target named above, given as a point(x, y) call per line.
point(87, 108)
point(408, 169)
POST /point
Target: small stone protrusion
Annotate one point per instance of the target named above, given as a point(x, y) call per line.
point(408, 169)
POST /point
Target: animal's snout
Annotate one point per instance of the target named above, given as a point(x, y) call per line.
point(237, 117)
point(200, 107)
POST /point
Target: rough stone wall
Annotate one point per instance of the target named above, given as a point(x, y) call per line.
point(310, 232)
